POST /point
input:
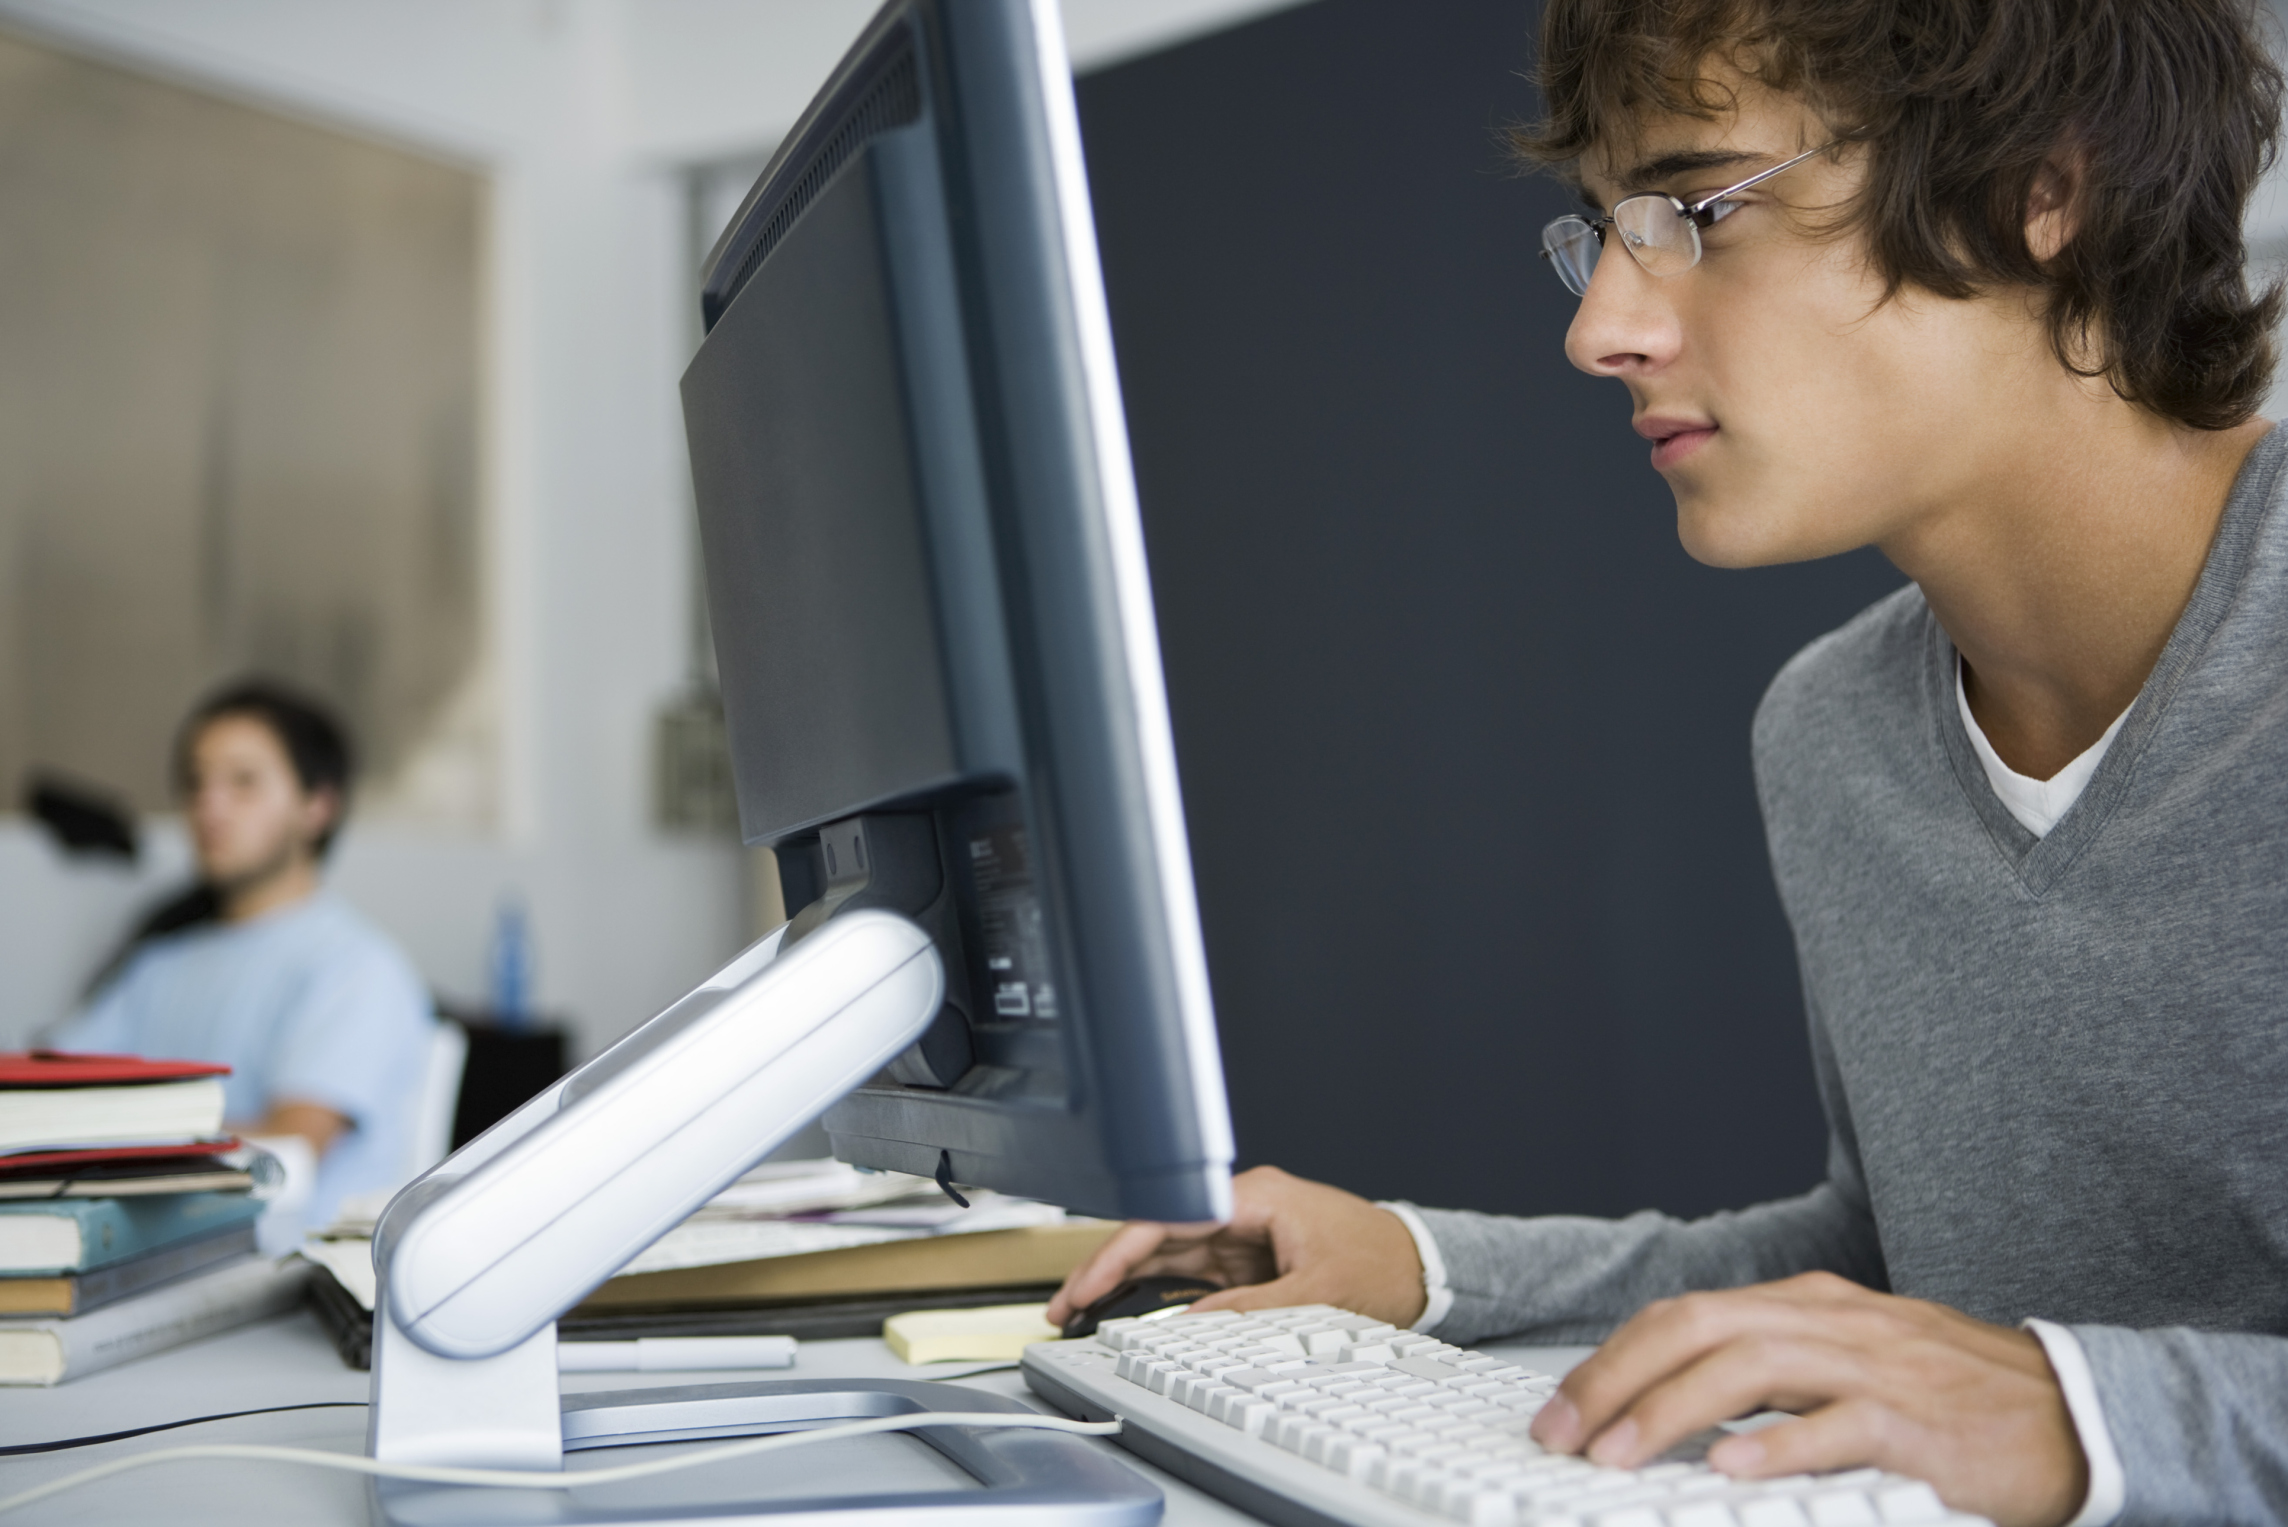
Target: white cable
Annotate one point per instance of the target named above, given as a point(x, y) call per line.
point(519, 1479)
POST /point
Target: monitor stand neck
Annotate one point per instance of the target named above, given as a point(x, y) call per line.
point(499, 1412)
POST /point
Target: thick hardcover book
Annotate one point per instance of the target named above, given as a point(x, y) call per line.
point(65, 1235)
point(984, 1258)
point(49, 1351)
point(37, 1118)
point(78, 1293)
point(348, 1322)
point(52, 1099)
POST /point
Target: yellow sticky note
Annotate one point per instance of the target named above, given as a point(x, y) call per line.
point(996, 1333)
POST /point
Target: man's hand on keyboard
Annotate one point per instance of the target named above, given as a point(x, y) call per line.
point(1288, 1242)
point(1899, 1384)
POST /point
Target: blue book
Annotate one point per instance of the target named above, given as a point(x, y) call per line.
point(67, 1235)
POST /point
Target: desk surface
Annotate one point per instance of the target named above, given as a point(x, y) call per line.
point(289, 1360)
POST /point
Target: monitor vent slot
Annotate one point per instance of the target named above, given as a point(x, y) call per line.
point(890, 99)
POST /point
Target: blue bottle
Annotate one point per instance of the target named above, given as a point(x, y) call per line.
point(511, 965)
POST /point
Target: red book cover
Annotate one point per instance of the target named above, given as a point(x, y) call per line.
point(55, 1068)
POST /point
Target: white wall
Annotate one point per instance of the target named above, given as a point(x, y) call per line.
point(583, 113)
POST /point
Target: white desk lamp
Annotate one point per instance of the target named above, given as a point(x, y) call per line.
point(478, 1258)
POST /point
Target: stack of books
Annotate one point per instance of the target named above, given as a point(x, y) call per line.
point(126, 1214)
point(809, 1249)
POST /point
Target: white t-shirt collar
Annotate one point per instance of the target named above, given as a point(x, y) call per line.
point(2038, 804)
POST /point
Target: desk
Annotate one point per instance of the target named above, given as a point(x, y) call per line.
point(289, 1360)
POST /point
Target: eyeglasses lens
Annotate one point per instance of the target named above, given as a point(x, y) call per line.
point(1572, 247)
point(1661, 239)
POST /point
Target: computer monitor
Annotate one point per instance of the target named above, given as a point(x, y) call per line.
point(933, 620)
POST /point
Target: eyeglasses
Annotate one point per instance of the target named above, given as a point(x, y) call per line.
point(1660, 232)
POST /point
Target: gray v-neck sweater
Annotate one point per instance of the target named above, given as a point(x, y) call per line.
point(2055, 1070)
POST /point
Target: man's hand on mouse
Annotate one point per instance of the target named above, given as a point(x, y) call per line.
point(1899, 1384)
point(1288, 1242)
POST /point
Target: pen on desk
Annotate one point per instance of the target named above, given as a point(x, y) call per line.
point(674, 1354)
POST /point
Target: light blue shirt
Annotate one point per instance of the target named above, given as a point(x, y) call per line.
point(312, 1003)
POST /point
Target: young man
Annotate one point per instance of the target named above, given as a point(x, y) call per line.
point(324, 1025)
point(2029, 816)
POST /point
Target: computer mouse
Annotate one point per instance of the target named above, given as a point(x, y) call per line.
point(1139, 1296)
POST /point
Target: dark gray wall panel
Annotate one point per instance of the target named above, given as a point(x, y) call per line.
point(1464, 732)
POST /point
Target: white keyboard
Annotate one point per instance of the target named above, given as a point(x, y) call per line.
point(1318, 1416)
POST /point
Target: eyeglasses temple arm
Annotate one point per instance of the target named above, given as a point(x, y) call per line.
point(1760, 176)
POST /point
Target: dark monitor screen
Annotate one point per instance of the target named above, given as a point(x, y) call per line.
point(933, 621)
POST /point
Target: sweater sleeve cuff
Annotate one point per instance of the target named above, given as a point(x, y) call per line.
point(2107, 1486)
point(1437, 1298)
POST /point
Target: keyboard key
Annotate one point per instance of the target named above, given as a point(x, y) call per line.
point(1842, 1508)
point(1587, 1490)
point(1629, 1516)
point(1194, 1388)
point(1205, 1395)
point(1418, 1481)
point(1911, 1502)
point(1706, 1513)
point(1483, 1508)
point(1771, 1511)
point(1289, 1432)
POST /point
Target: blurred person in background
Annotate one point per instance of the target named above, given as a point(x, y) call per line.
point(323, 1022)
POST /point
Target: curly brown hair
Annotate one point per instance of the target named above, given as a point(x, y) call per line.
point(2167, 112)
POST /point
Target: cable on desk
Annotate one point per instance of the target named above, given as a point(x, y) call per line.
point(61, 1444)
point(537, 1479)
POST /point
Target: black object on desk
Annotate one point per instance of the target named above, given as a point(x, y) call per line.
point(1139, 1296)
point(507, 1065)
